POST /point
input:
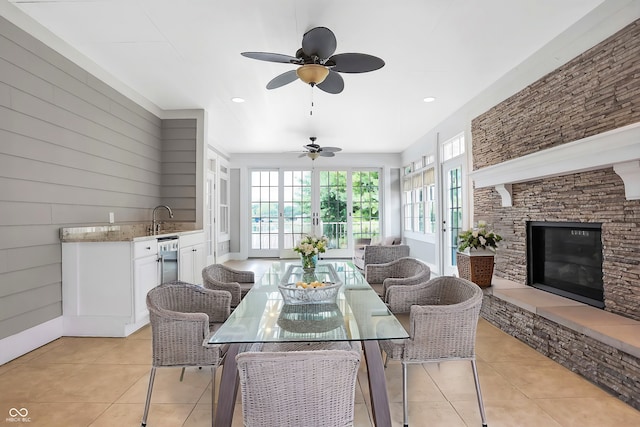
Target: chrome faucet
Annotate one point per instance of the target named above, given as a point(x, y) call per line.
point(156, 224)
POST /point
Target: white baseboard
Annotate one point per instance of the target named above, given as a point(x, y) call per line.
point(224, 258)
point(23, 342)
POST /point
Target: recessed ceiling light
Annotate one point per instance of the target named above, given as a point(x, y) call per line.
point(238, 100)
point(429, 99)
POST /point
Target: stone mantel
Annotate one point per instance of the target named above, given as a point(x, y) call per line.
point(618, 148)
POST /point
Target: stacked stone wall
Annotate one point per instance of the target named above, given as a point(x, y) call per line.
point(595, 92)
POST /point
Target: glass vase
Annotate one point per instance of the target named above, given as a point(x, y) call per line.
point(309, 261)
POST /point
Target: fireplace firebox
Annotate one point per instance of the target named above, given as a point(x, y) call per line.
point(565, 258)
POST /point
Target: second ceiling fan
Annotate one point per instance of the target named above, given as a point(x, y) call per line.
point(313, 150)
point(318, 66)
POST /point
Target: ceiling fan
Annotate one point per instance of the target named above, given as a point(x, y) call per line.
point(318, 66)
point(313, 150)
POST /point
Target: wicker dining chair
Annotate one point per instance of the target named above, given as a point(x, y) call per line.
point(401, 272)
point(183, 317)
point(443, 325)
point(298, 388)
point(221, 277)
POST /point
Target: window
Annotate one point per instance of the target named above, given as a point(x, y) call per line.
point(408, 204)
point(418, 203)
point(419, 192)
point(429, 159)
point(430, 205)
point(453, 147)
point(223, 222)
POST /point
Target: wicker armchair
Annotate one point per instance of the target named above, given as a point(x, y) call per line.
point(221, 277)
point(442, 328)
point(298, 388)
point(183, 317)
point(380, 254)
point(401, 272)
point(389, 249)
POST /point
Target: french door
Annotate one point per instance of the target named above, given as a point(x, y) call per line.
point(452, 213)
point(288, 204)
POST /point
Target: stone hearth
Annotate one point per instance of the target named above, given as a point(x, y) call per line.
point(601, 346)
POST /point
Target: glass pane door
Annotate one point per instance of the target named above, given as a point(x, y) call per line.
point(297, 207)
point(333, 211)
point(365, 205)
point(288, 204)
point(265, 228)
point(452, 223)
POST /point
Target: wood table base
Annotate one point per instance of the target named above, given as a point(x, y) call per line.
point(377, 384)
point(228, 388)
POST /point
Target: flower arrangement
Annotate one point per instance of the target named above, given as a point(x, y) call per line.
point(478, 238)
point(309, 247)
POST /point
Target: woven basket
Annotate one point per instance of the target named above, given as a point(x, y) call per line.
point(477, 269)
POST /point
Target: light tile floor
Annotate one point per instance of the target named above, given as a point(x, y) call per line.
point(103, 382)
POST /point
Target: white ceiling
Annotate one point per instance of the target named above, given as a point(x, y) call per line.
point(185, 54)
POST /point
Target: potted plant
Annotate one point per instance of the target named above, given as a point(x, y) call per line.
point(475, 256)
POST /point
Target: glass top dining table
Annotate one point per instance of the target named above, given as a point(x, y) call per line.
point(356, 314)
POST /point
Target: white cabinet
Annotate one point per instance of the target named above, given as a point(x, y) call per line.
point(146, 276)
point(105, 284)
point(192, 257)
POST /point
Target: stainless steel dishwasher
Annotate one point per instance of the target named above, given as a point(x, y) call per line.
point(168, 254)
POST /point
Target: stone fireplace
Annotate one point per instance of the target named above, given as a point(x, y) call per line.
point(571, 183)
point(567, 148)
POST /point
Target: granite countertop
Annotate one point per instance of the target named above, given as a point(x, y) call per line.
point(124, 232)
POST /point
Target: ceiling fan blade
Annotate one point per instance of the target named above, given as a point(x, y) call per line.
point(354, 63)
point(282, 79)
point(331, 149)
point(326, 154)
point(319, 41)
point(272, 57)
point(302, 155)
point(332, 84)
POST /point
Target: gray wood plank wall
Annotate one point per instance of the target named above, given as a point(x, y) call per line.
point(72, 149)
point(179, 168)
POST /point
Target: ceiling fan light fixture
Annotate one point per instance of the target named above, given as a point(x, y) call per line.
point(314, 155)
point(312, 74)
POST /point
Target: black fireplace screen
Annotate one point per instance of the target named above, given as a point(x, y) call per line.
point(565, 258)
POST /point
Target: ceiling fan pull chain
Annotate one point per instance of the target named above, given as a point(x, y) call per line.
point(311, 111)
